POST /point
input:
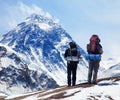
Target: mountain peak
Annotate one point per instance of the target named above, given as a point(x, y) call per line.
point(43, 22)
point(40, 43)
point(35, 18)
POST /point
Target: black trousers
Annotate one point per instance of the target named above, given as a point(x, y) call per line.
point(93, 70)
point(71, 73)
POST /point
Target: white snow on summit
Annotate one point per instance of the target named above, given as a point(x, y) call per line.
point(44, 26)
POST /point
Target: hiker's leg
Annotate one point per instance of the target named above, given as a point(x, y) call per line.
point(74, 69)
point(90, 70)
point(96, 67)
point(69, 74)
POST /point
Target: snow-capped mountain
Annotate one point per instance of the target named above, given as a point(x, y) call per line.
point(110, 62)
point(111, 72)
point(16, 77)
point(40, 43)
point(111, 68)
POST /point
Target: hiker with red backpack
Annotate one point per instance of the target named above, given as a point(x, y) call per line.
point(94, 50)
point(72, 55)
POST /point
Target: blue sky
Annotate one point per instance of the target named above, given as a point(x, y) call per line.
point(80, 18)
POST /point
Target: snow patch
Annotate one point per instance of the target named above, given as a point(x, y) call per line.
point(44, 26)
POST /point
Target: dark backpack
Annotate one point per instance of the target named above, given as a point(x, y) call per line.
point(72, 54)
point(94, 47)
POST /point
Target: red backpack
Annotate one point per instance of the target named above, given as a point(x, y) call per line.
point(94, 46)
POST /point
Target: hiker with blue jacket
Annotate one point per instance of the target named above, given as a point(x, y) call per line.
point(94, 50)
point(72, 56)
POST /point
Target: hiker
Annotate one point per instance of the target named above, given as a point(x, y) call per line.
point(94, 50)
point(72, 55)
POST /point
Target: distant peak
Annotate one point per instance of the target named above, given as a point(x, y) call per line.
point(41, 18)
point(110, 59)
point(36, 17)
point(44, 22)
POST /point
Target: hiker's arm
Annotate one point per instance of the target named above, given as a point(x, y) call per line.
point(101, 50)
point(88, 48)
point(66, 53)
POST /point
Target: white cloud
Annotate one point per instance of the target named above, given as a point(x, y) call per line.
point(27, 10)
point(15, 14)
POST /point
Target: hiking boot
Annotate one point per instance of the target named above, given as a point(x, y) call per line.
point(94, 83)
point(69, 85)
point(73, 85)
point(89, 82)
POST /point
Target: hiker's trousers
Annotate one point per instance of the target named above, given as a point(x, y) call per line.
point(71, 73)
point(93, 70)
